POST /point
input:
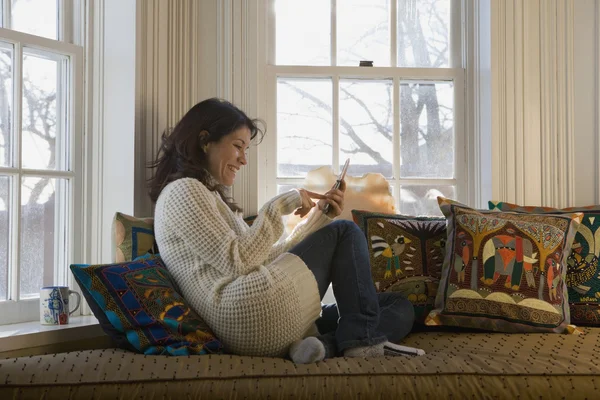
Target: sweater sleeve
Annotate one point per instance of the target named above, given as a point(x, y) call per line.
point(315, 221)
point(193, 212)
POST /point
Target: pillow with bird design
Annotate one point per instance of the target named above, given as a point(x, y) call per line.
point(504, 271)
point(583, 273)
point(406, 255)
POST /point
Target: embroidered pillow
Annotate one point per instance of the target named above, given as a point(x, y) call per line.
point(139, 306)
point(406, 255)
point(504, 271)
point(250, 219)
point(132, 237)
point(583, 275)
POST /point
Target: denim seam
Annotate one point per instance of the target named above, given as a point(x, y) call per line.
point(369, 323)
point(359, 287)
point(348, 344)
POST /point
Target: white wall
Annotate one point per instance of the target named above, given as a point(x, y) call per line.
point(113, 108)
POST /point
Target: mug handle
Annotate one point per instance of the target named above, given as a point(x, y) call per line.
point(78, 300)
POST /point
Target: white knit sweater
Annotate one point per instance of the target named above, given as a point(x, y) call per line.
point(256, 297)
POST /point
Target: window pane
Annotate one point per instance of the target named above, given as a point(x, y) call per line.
point(37, 17)
point(6, 104)
point(422, 199)
point(303, 32)
point(423, 33)
point(366, 124)
point(285, 188)
point(43, 215)
point(4, 234)
point(363, 32)
point(44, 141)
point(427, 130)
point(304, 125)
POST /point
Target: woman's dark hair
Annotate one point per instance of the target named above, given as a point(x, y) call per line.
point(181, 153)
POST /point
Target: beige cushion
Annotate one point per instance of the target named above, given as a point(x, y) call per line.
point(132, 237)
point(466, 365)
point(370, 192)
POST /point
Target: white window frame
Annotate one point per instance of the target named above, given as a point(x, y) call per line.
point(456, 73)
point(17, 310)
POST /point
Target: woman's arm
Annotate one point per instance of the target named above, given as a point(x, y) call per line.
point(194, 213)
point(315, 221)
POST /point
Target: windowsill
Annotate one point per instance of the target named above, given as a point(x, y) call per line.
point(33, 334)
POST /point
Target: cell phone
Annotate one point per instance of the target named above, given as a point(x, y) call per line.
point(338, 182)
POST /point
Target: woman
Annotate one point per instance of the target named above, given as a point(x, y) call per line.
point(262, 296)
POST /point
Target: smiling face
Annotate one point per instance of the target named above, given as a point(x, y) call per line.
point(226, 157)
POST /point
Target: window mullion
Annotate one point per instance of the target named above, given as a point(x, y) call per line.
point(334, 32)
point(396, 139)
point(335, 144)
point(271, 160)
point(411, 73)
point(66, 149)
point(15, 273)
point(6, 10)
point(271, 34)
point(65, 21)
point(394, 33)
point(456, 34)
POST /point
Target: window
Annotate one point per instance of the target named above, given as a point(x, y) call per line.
point(40, 153)
point(402, 117)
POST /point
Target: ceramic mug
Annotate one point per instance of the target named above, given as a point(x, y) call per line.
point(54, 305)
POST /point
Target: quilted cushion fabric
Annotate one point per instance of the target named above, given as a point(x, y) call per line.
point(138, 304)
point(406, 255)
point(583, 274)
point(457, 366)
point(504, 271)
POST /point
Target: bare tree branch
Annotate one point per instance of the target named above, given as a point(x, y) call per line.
point(382, 129)
point(322, 142)
point(375, 155)
point(354, 151)
point(328, 121)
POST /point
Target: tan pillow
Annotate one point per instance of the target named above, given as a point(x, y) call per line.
point(370, 192)
point(132, 237)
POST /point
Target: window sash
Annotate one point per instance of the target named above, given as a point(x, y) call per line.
point(398, 76)
point(456, 38)
point(456, 74)
point(20, 310)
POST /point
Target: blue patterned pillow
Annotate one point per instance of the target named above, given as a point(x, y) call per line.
point(139, 306)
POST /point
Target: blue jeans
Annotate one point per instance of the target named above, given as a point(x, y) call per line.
point(338, 254)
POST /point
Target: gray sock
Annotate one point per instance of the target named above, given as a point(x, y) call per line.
point(308, 350)
point(365, 351)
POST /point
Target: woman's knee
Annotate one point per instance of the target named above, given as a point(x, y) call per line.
point(346, 226)
point(398, 305)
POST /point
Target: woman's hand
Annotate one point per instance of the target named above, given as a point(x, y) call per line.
point(307, 203)
point(335, 199)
